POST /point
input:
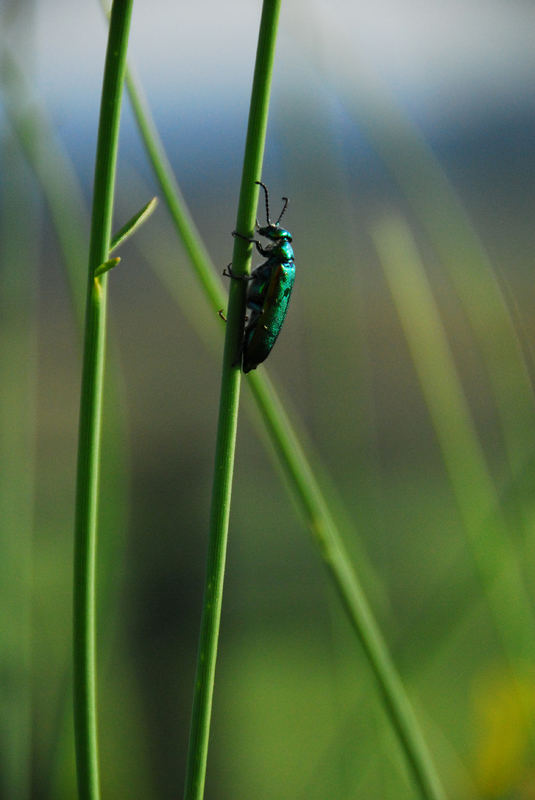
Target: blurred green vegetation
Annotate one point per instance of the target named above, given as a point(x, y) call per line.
point(296, 713)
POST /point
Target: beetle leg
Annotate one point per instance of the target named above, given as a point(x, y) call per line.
point(228, 273)
point(249, 239)
point(264, 251)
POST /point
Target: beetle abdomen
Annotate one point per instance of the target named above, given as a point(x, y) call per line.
point(266, 321)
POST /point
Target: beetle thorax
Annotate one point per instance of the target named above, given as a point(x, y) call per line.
point(275, 232)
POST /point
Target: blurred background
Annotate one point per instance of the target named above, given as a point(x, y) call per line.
point(403, 134)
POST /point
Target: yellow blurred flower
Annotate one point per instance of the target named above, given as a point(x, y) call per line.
point(504, 715)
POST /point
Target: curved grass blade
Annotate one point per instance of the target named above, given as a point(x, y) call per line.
point(475, 493)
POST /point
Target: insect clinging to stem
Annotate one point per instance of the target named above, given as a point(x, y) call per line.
point(269, 290)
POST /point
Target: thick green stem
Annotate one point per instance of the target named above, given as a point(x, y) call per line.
point(85, 718)
point(228, 411)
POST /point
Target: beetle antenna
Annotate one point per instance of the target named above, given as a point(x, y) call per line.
point(264, 187)
point(285, 206)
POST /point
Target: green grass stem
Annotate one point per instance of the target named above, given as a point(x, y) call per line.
point(477, 499)
point(19, 257)
point(339, 566)
point(85, 715)
point(48, 160)
point(58, 183)
point(228, 410)
point(435, 202)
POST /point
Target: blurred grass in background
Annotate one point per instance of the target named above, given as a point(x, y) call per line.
point(350, 141)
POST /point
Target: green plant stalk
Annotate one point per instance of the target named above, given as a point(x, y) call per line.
point(190, 236)
point(434, 200)
point(228, 409)
point(63, 197)
point(18, 378)
point(348, 587)
point(432, 196)
point(301, 478)
point(475, 494)
point(85, 722)
point(48, 161)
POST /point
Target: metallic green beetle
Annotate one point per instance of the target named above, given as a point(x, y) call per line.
point(269, 292)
